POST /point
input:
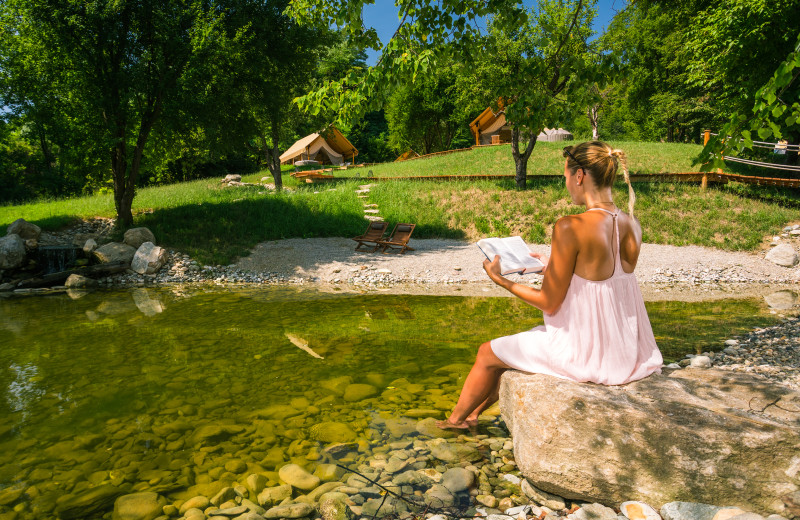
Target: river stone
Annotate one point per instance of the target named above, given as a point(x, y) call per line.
point(781, 300)
point(330, 431)
point(453, 452)
point(336, 385)
point(9, 496)
point(688, 511)
point(256, 483)
point(333, 508)
point(94, 500)
point(327, 487)
point(700, 362)
point(783, 255)
point(139, 506)
point(24, 229)
point(224, 494)
point(149, 258)
point(695, 435)
point(89, 246)
point(297, 477)
point(135, 237)
point(458, 479)
point(115, 252)
point(543, 498)
point(290, 511)
point(328, 472)
point(428, 427)
point(198, 502)
point(593, 512)
point(274, 495)
point(236, 466)
point(76, 281)
point(439, 496)
point(12, 252)
point(359, 391)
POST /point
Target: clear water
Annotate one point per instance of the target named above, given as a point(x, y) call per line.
point(159, 389)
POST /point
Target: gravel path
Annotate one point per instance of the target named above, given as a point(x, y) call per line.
point(662, 270)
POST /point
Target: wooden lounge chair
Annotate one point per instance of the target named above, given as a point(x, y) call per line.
point(398, 239)
point(372, 235)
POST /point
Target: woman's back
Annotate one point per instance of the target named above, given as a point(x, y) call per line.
point(597, 242)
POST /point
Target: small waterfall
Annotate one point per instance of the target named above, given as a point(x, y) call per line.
point(54, 259)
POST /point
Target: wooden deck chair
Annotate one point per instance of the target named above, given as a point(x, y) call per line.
point(398, 239)
point(372, 235)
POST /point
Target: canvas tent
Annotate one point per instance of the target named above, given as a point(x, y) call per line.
point(491, 128)
point(550, 135)
point(326, 147)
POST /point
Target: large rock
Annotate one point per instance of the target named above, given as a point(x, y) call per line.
point(149, 258)
point(135, 237)
point(693, 435)
point(139, 506)
point(783, 254)
point(115, 252)
point(24, 229)
point(298, 478)
point(12, 252)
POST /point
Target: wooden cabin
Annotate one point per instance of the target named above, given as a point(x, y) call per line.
point(490, 128)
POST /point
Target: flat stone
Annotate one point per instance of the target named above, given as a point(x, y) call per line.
point(329, 431)
point(593, 512)
point(297, 477)
point(783, 255)
point(95, 500)
point(290, 511)
point(711, 436)
point(458, 479)
point(139, 506)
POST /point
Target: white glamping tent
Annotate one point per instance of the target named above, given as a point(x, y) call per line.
point(327, 147)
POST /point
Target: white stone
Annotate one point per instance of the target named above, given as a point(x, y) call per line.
point(700, 362)
point(783, 255)
point(89, 246)
point(149, 258)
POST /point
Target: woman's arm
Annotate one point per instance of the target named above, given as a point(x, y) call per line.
point(557, 276)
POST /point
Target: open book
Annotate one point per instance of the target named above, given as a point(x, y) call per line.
point(514, 255)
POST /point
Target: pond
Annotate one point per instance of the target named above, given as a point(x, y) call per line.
point(171, 390)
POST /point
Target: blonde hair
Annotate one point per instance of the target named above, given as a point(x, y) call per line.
point(600, 161)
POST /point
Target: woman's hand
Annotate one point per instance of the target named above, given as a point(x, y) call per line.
point(543, 259)
point(492, 268)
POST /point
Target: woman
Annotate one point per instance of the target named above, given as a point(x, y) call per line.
point(596, 327)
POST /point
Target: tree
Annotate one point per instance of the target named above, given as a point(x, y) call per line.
point(110, 66)
point(541, 68)
point(424, 115)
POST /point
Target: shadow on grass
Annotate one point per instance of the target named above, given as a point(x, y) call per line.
point(219, 233)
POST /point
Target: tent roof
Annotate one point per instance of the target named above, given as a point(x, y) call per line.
point(331, 135)
point(486, 119)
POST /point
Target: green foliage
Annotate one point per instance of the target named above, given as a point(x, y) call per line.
point(775, 112)
point(425, 115)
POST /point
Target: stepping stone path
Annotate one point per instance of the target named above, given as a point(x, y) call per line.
point(370, 210)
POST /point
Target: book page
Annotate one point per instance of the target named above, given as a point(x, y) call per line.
point(514, 255)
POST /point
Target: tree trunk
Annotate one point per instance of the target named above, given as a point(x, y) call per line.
point(273, 156)
point(593, 112)
point(521, 159)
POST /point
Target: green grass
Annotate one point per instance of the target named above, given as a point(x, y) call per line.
point(217, 225)
point(546, 159)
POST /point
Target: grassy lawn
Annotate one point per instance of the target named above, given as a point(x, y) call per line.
point(545, 159)
point(217, 224)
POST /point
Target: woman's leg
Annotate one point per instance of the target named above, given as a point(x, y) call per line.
point(480, 388)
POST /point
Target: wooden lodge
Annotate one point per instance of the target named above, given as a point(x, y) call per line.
point(490, 128)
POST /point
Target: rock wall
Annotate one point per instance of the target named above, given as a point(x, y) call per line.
point(691, 435)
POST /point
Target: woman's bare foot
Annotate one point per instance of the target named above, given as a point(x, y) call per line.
point(447, 425)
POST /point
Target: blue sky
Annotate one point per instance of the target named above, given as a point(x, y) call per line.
point(383, 16)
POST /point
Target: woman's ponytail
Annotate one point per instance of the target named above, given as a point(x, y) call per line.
point(619, 155)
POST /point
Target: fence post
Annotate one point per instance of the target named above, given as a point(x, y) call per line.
point(706, 136)
point(704, 181)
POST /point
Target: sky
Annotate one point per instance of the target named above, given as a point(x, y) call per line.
point(383, 16)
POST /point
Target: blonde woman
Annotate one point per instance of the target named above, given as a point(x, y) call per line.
point(596, 326)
